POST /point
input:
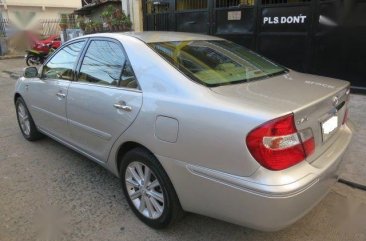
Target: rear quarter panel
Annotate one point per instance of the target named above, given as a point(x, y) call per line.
point(212, 130)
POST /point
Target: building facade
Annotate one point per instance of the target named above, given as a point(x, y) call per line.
point(25, 14)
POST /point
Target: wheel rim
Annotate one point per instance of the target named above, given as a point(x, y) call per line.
point(144, 190)
point(34, 60)
point(23, 119)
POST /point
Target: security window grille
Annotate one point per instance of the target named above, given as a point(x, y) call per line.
point(284, 1)
point(3, 23)
point(190, 4)
point(233, 3)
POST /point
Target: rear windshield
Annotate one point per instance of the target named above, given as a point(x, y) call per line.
point(218, 62)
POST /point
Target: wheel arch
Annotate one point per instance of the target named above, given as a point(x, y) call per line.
point(126, 147)
point(16, 96)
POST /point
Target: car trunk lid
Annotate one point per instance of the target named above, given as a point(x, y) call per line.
point(318, 103)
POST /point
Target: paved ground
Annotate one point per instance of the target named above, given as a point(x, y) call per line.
point(355, 167)
point(48, 192)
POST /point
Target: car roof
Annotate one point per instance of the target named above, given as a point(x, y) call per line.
point(159, 36)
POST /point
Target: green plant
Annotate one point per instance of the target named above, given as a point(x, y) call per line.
point(81, 23)
point(108, 12)
point(115, 22)
point(63, 23)
point(97, 25)
point(128, 22)
point(105, 15)
point(89, 27)
point(118, 14)
point(110, 8)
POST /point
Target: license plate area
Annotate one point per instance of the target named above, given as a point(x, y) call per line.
point(329, 127)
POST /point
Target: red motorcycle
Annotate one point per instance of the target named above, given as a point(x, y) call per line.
point(41, 49)
point(42, 45)
point(34, 57)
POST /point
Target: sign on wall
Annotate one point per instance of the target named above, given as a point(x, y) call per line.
point(289, 19)
point(233, 15)
point(285, 19)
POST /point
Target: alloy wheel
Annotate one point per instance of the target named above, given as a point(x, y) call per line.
point(23, 119)
point(144, 190)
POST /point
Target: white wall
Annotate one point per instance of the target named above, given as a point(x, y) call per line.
point(25, 14)
point(134, 9)
point(45, 3)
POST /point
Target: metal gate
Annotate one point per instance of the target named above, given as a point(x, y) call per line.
point(156, 15)
point(284, 31)
point(306, 35)
point(177, 15)
point(247, 22)
point(235, 20)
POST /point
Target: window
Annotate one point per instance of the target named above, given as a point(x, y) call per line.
point(61, 66)
point(105, 63)
point(214, 63)
point(128, 79)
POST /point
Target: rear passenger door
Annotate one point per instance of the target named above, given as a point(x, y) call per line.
point(105, 98)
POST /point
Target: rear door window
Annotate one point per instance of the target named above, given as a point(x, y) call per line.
point(105, 63)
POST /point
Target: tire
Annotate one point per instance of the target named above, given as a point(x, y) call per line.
point(29, 131)
point(28, 60)
point(167, 212)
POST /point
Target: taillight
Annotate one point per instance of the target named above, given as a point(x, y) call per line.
point(277, 144)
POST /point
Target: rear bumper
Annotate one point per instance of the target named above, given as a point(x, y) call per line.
point(267, 200)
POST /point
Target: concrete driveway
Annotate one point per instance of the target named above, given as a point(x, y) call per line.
point(48, 192)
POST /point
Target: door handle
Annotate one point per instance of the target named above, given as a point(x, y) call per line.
point(61, 95)
point(122, 106)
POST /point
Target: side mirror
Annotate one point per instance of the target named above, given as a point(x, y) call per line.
point(30, 72)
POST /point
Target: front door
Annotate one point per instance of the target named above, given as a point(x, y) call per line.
point(49, 93)
point(105, 99)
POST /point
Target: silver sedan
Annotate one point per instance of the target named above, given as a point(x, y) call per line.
point(192, 123)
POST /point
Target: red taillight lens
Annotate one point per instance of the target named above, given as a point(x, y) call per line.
point(277, 145)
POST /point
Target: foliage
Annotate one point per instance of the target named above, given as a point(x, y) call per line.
point(112, 19)
point(63, 22)
point(108, 12)
point(81, 21)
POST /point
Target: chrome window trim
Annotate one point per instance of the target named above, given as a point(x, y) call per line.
point(109, 86)
point(81, 59)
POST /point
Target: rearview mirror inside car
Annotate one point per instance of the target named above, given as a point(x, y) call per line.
point(30, 72)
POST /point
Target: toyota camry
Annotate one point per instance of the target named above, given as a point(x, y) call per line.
point(192, 123)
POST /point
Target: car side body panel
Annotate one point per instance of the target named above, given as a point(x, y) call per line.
point(94, 122)
point(47, 108)
point(166, 92)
